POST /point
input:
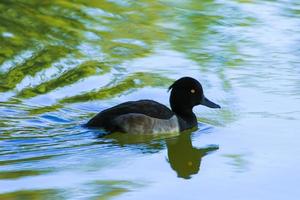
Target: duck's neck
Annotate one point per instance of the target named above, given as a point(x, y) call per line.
point(186, 118)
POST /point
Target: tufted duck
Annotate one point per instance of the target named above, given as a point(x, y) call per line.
point(147, 116)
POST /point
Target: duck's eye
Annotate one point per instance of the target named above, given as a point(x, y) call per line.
point(193, 91)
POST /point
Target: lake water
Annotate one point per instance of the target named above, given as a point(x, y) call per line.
point(63, 61)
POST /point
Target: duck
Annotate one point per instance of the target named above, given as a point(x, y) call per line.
point(150, 117)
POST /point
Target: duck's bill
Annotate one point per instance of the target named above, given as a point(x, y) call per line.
point(210, 104)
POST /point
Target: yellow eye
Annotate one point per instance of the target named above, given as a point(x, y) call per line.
point(193, 91)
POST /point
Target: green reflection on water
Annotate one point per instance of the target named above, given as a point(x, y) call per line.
point(120, 33)
point(32, 195)
point(97, 190)
point(238, 161)
point(72, 76)
point(21, 173)
point(135, 81)
point(110, 189)
point(38, 62)
point(36, 158)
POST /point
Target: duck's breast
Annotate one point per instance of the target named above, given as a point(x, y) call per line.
point(142, 124)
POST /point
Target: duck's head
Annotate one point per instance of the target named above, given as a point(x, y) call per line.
point(186, 93)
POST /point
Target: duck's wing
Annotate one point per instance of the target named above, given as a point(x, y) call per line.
point(105, 119)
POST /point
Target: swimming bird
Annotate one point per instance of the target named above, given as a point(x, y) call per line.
point(148, 116)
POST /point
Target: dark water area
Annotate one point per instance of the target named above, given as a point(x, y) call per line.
point(63, 61)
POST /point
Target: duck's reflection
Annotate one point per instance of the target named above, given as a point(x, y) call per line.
point(183, 157)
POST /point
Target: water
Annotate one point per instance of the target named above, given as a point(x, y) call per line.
point(62, 61)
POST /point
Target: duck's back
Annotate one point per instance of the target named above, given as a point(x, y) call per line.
point(136, 116)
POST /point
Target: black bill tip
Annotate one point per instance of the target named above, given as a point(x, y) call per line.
point(210, 104)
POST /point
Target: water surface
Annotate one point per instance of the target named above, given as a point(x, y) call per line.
point(63, 61)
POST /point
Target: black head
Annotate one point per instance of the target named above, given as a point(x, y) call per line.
point(186, 93)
